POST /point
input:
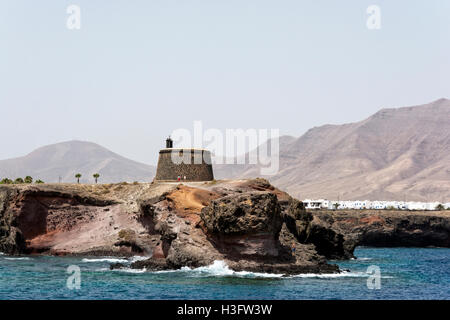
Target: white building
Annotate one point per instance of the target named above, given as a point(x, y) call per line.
point(316, 204)
point(375, 205)
point(432, 205)
point(378, 205)
point(365, 204)
point(416, 205)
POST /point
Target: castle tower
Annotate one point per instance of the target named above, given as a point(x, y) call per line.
point(183, 164)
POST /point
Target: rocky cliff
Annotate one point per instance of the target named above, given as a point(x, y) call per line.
point(240, 222)
point(386, 228)
point(249, 224)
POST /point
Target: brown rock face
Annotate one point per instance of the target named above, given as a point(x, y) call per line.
point(64, 220)
point(248, 224)
point(241, 224)
point(249, 213)
point(244, 226)
point(383, 228)
point(11, 238)
point(307, 229)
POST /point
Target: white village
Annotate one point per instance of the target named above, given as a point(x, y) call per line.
point(373, 205)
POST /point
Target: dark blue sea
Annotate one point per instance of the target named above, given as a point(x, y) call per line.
point(405, 273)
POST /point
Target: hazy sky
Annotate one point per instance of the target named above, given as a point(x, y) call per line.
point(136, 70)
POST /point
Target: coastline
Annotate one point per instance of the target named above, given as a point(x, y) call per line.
point(248, 224)
point(406, 273)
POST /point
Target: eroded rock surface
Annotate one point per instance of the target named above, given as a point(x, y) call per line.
point(249, 224)
point(384, 228)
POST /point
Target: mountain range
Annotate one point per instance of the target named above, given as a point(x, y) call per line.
point(395, 154)
point(63, 160)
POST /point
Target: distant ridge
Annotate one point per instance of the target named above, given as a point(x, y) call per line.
point(396, 154)
point(65, 159)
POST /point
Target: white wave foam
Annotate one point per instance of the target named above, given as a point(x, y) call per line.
point(18, 258)
point(363, 258)
point(168, 271)
point(112, 260)
point(138, 258)
point(220, 268)
point(127, 270)
point(130, 270)
point(102, 269)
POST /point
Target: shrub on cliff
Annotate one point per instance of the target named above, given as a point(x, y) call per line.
point(6, 181)
point(127, 235)
point(27, 179)
point(18, 181)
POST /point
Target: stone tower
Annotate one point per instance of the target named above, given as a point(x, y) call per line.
point(183, 164)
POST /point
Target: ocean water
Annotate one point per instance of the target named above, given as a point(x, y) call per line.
point(405, 273)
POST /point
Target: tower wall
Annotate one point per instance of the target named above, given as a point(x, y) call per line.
point(196, 165)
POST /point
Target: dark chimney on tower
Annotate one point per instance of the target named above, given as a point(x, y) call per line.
point(169, 143)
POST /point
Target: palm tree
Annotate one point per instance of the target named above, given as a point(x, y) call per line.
point(78, 176)
point(439, 207)
point(28, 179)
point(96, 176)
point(39, 181)
point(335, 205)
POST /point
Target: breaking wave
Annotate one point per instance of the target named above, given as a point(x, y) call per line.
point(115, 260)
point(17, 258)
point(220, 268)
point(127, 270)
point(130, 270)
point(138, 258)
point(111, 260)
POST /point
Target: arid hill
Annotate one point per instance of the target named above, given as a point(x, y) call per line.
point(65, 159)
point(396, 154)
